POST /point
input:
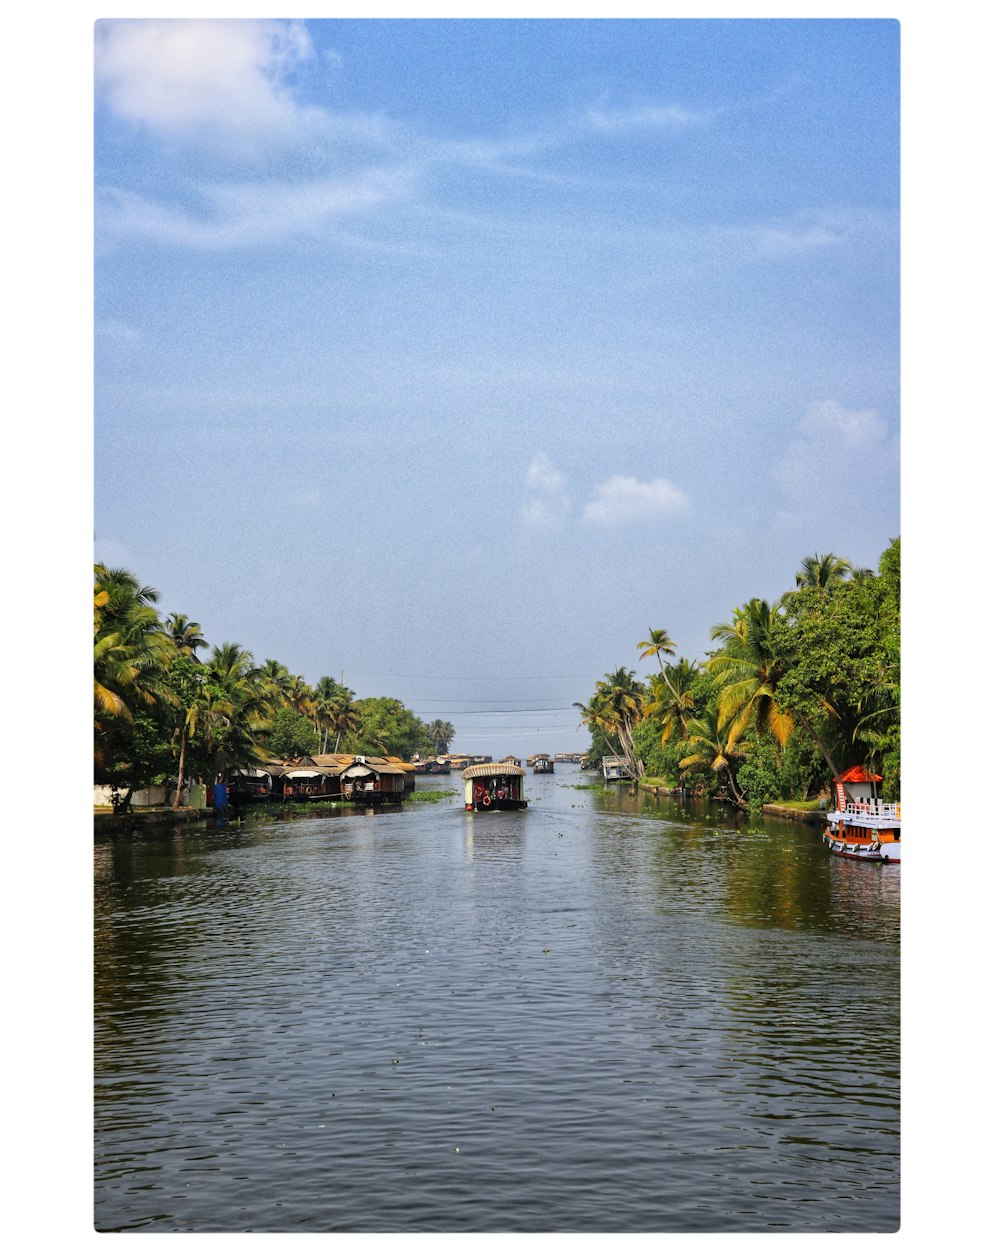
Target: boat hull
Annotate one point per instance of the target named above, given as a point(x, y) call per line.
point(873, 848)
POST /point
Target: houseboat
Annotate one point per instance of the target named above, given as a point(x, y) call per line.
point(248, 785)
point(543, 764)
point(307, 780)
point(616, 769)
point(373, 781)
point(494, 787)
point(862, 826)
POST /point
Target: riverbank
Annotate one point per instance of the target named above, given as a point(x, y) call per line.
point(806, 813)
point(808, 816)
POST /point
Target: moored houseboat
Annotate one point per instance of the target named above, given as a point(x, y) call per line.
point(248, 785)
point(308, 780)
point(616, 769)
point(494, 787)
point(371, 780)
point(862, 826)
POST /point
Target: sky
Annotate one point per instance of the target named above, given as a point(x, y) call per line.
point(450, 357)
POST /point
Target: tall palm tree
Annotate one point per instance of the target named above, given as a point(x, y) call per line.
point(185, 635)
point(824, 571)
point(344, 717)
point(615, 708)
point(129, 645)
point(441, 734)
point(659, 644)
point(671, 698)
point(747, 673)
point(328, 694)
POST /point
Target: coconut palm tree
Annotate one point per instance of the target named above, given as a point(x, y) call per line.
point(185, 635)
point(344, 717)
point(712, 747)
point(671, 698)
point(441, 733)
point(659, 644)
point(615, 708)
point(824, 571)
point(328, 695)
point(129, 645)
point(747, 673)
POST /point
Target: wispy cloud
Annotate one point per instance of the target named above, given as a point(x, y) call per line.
point(546, 505)
point(622, 500)
point(238, 215)
point(225, 91)
point(648, 117)
point(855, 443)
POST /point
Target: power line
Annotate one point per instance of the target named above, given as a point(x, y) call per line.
point(457, 677)
point(501, 712)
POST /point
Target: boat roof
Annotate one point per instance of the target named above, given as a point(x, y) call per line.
point(857, 774)
point(360, 768)
point(497, 770)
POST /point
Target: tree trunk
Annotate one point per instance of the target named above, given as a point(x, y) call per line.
point(180, 769)
point(834, 771)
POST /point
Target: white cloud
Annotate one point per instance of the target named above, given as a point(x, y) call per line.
point(852, 444)
point(547, 504)
point(206, 80)
point(624, 499)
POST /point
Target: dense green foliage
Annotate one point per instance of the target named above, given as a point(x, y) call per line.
point(794, 693)
point(162, 714)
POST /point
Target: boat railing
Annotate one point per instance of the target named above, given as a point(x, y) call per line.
point(868, 811)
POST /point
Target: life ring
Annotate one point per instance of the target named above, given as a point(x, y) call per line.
point(486, 800)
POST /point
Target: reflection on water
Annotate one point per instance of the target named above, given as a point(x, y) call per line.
point(608, 1012)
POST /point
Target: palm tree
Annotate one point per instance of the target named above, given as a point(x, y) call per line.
point(659, 644)
point(344, 717)
point(596, 715)
point(441, 734)
point(671, 698)
point(129, 646)
point(328, 695)
point(185, 635)
point(616, 708)
point(747, 673)
point(823, 572)
point(713, 747)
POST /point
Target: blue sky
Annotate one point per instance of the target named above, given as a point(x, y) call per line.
point(452, 356)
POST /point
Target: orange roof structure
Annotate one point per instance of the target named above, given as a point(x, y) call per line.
point(857, 774)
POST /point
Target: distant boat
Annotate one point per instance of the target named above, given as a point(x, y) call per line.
point(494, 787)
point(543, 764)
point(862, 826)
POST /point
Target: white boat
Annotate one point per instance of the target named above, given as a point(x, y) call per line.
point(616, 769)
point(862, 826)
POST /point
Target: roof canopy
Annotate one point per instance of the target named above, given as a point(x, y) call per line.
point(498, 770)
point(857, 774)
point(362, 770)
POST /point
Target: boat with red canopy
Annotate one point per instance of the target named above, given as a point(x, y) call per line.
point(862, 826)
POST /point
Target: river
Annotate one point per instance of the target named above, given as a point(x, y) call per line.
point(608, 1013)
